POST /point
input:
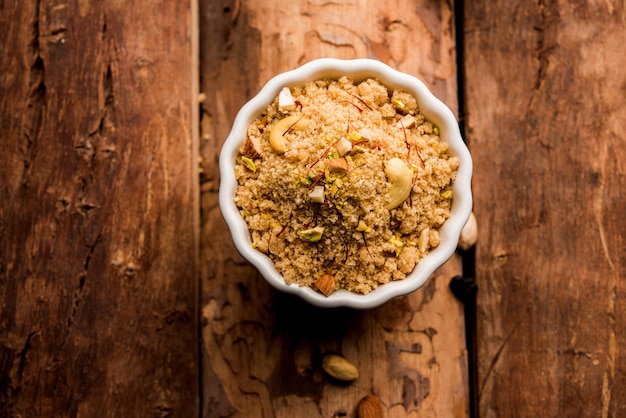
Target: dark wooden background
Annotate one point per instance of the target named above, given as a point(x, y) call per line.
point(121, 293)
point(98, 273)
point(546, 124)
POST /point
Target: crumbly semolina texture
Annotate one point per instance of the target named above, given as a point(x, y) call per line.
point(362, 243)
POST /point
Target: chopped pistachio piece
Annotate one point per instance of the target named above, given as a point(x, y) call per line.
point(249, 163)
point(312, 235)
point(397, 242)
point(357, 150)
point(354, 137)
point(363, 227)
point(398, 104)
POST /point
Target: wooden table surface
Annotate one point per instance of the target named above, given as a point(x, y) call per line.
point(121, 293)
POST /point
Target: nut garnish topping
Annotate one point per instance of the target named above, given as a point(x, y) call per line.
point(400, 175)
point(326, 284)
point(252, 148)
point(469, 233)
point(369, 407)
point(339, 368)
point(277, 134)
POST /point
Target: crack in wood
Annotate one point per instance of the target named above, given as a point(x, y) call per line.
point(608, 377)
point(56, 35)
point(22, 356)
point(58, 31)
point(495, 358)
point(107, 121)
point(82, 278)
point(103, 31)
point(90, 146)
point(7, 357)
point(333, 38)
point(544, 49)
point(109, 99)
point(35, 102)
point(84, 208)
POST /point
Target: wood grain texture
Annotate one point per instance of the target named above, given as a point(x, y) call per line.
point(546, 122)
point(98, 292)
point(262, 349)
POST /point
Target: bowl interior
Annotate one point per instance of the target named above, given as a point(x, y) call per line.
point(359, 70)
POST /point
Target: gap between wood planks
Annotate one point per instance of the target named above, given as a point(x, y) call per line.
point(468, 257)
point(195, 164)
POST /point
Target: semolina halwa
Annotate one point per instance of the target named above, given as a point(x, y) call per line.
point(344, 185)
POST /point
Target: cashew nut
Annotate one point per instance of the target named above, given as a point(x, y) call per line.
point(317, 194)
point(469, 234)
point(424, 240)
point(285, 100)
point(406, 122)
point(277, 135)
point(343, 146)
point(400, 175)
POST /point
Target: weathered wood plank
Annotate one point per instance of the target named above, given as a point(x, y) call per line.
point(262, 350)
point(97, 266)
point(546, 122)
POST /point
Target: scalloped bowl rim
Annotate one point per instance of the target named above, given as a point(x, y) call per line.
point(432, 108)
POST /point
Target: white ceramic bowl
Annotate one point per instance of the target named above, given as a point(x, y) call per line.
point(432, 108)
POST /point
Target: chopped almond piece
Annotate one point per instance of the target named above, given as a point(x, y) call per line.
point(252, 148)
point(338, 164)
point(326, 284)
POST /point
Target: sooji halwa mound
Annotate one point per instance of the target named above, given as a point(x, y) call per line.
point(344, 186)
